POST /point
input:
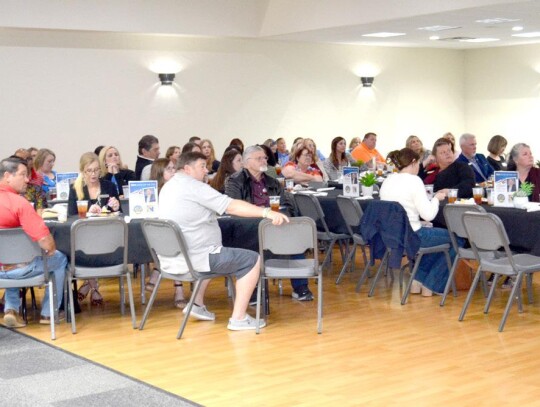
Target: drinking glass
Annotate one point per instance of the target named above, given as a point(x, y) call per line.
point(289, 184)
point(452, 195)
point(478, 193)
point(274, 203)
point(429, 191)
point(82, 208)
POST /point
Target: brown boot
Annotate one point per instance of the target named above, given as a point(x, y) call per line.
point(11, 320)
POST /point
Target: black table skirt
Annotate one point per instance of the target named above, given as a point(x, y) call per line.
point(522, 227)
point(236, 232)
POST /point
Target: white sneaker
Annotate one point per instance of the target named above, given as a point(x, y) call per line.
point(200, 313)
point(248, 323)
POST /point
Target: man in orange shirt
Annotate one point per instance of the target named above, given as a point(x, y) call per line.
point(365, 151)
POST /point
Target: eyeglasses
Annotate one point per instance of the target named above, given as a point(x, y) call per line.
point(306, 155)
point(258, 158)
point(92, 171)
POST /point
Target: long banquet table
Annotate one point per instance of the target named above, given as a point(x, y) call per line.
point(522, 227)
point(236, 232)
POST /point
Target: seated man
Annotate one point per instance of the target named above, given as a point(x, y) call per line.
point(366, 150)
point(253, 185)
point(148, 152)
point(16, 211)
point(478, 162)
point(193, 204)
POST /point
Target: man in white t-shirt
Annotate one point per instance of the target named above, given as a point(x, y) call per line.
point(194, 205)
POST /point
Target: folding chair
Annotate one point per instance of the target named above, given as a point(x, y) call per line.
point(295, 237)
point(17, 247)
point(99, 248)
point(486, 233)
point(165, 239)
point(309, 206)
point(352, 213)
point(453, 215)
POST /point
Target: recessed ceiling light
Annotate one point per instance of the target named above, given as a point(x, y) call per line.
point(434, 37)
point(438, 28)
point(517, 28)
point(527, 35)
point(497, 20)
point(480, 40)
point(383, 35)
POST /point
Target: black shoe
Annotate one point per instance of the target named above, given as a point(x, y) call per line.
point(508, 283)
point(490, 280)
point(302, 294)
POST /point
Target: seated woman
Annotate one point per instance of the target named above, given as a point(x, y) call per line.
point(416, 145)
point(300, 169)
point(190, 147)
point(407, 188)
point(172, 154)
point(355, 141)
point(238, 143)
point(496, 147)
point(522, 161)
point(34, 188)
point(318, 158)
point(231, 162)
point(99, 193)
point(43, 164)
point(446, 173)
point(113, 170)
point(339, 157)
point(207, 148)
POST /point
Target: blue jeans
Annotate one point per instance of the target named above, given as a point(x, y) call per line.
point(57, 265)
point(433, 271)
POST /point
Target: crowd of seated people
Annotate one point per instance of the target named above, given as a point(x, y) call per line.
point(249, 173)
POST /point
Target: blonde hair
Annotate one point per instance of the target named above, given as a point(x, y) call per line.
point(314, 152)
point(86, 159)
point(103, 165)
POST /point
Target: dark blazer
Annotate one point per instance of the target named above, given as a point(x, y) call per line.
point(107, 188)
point(238, 186)
point(385, 225)
point(122, 178)
point(139, 165)
point(482, 162)
point(497, 165)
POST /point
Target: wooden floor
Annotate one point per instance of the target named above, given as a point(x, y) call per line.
point(373, 351)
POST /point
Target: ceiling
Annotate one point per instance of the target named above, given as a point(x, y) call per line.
point(321, 21)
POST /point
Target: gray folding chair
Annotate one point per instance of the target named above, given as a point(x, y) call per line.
point(295, 237)
point(17, 247)
point(99, 248)
point(453, 216)
point(486, 233)
point(309, 206)
point(165, 239)
point(352, 213)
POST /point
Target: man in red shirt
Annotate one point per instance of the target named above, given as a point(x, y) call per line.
point(16, 211)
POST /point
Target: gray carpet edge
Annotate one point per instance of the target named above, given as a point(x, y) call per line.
point(86, 360)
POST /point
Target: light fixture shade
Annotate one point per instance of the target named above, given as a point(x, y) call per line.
point(166, 78)
point(367, 81)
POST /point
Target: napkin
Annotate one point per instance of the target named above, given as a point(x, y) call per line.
point(325, 189)
point(361, 198)
point(532, 206)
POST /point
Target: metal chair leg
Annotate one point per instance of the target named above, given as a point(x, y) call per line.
point(150, 303)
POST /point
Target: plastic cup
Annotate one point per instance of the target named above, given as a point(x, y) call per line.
point(82, 208)
point(452, 195)
point(274, 203)
point(429, 191)
point(490, 196)
point(125, 189)
point(478, 193)
point(289, 184)
point(281, 181)
point(380, 169)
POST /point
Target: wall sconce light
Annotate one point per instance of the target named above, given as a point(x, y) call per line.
point(367, 81)
point(166, 78)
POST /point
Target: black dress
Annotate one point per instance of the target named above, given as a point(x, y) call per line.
point(107, 188)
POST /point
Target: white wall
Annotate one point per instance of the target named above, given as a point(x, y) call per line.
point(73, 91)
point(503, 95)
